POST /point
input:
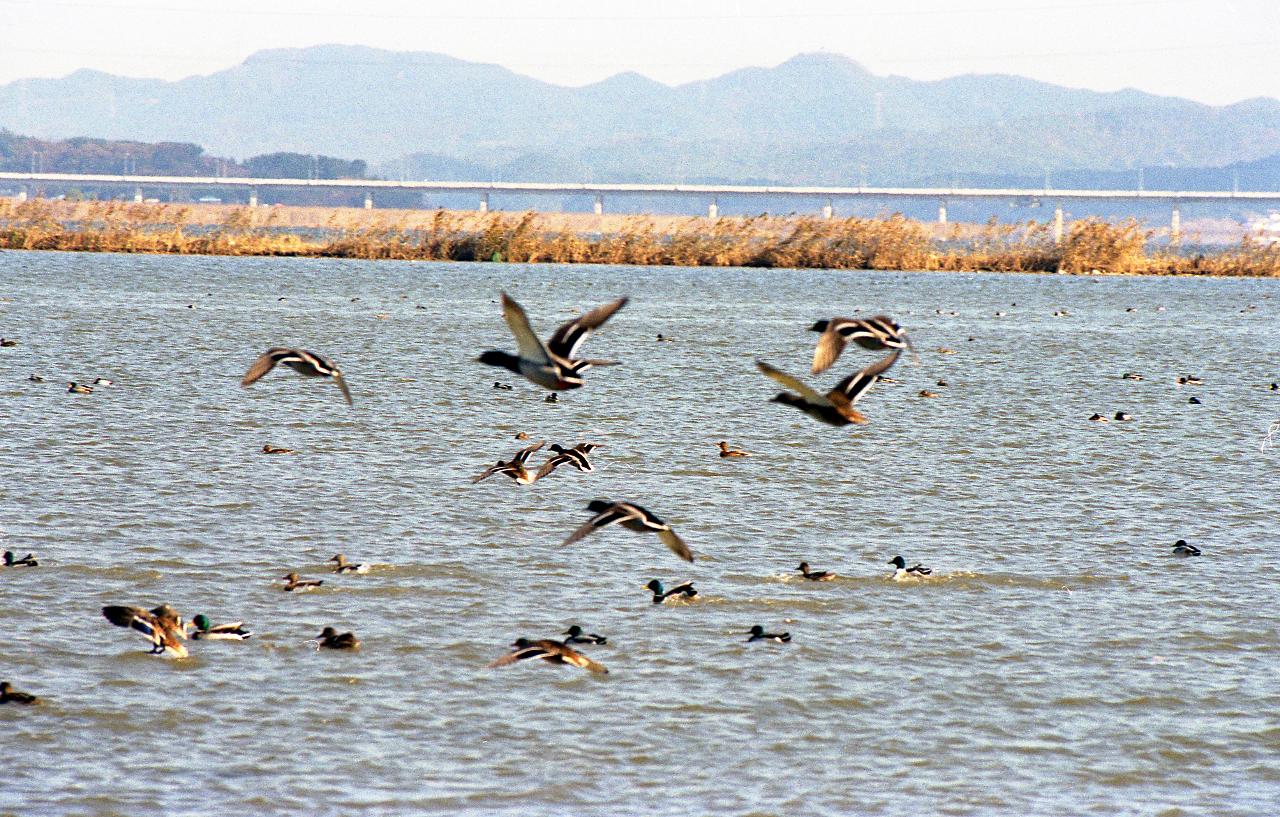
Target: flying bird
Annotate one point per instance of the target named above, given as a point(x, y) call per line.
point(309, 364)
point(876, 334)
point(549, 650)
point(631, 517)
point(162, 626)
point(551, 365)
point(576, 456)
point(515, 468)
point(836, 406)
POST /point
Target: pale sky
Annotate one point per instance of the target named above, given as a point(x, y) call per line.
point(1215, 51)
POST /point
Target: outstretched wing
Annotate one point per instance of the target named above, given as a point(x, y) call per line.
point(677, 545)
point(830, 344)
point(136, 618)
point(566, 340)
point(527, 343)
point(265, 363)
point(805, 392)
point(855, 385)
point(342, 385)
point(551, 465)
point(522, 455)
point(490, 471)
point(610, 516)
point(517, 655)
point(579, 660)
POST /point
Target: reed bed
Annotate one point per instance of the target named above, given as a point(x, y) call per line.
point(891, 243)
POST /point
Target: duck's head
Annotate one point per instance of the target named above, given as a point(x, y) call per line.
point(573, 632)
point(556, 447)
point(599, 505)
point(898, 562)
point(655, 586)
point(340, 558)
point(8, 557)
point(201, 622)
point(820, 326)
point(327, 632)
point(291, 577)
point(4, 687)
point(521, 643)
point(804, 567)
point(756, 631)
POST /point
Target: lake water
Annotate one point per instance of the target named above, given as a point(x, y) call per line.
point(1062, 661)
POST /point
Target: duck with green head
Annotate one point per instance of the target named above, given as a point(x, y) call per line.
point(204, 629)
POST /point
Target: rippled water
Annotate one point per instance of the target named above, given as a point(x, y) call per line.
point(1063, 662)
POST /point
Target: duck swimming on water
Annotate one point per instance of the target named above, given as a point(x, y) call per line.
point(815, 575)
point(902, 572)
point(661, 594)
point(577, 636)
point(294, 584)
point(341, 565)
point(9, 695)
point(1181, 548)
point(757, 633)
point(205, 629)
point(26, 561)
point(330, 639)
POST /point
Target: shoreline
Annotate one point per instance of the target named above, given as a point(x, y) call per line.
point(892, 243)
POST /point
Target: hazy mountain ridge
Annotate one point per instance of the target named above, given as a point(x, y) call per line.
point(810, 120)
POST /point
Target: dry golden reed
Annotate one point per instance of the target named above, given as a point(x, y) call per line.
point(890, 243)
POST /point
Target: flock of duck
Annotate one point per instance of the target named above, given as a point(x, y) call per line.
point(556, 365)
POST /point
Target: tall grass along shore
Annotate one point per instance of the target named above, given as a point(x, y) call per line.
point(889, 243)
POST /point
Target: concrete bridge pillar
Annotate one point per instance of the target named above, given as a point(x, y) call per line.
point(484, 202)
point(942, 212)
point(713, 209)
point(1175, 225)
point(599, 205)
point(1057, 224)
point(253, 198)
point(828, 209)
point(368, 200)
point(137, 195)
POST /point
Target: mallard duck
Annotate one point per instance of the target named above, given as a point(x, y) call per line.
point(162, 626)
point(902, 572)
point(661, 594)
point(726, 451)
point(75, 388)
point(632, 517)
point(35, 378)
point(275, 449)
point(836, 406)
point(665, 338)
point(1123, 417)
point(1131, 376)
point(551, 364)
point(1098, 418)
point(927, 393)
point(757, 633)
point(521, 435)
point(815, 575)
point(877, 333)
point(551, 398)
point(308, 364)
point(26, 561)
point(1190, 380)
point(549, 650)
point(576, 456)
point(9, 695)
point(577, 636)
point(102, 381)
point(343, 566)
point(502, 386)
point(204, 629)
point(330, 639)
point(1195, 401)
point(6, 342)
point(942, 350)
point(1181, 548)
point(515, 468)
point(293, 584)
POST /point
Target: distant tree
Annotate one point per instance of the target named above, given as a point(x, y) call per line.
point(304, 166)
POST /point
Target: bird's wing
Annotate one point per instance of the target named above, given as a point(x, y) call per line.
point(805, 392)
point(855, 385)
point(136, 618)
point(550, 465)
point(677, 545)
point(490, 471)
point(265, 363)
point(830, 344)
point(517, 655)
point(229, 627)
point(569, 337)
point(527, 343)
point(522, 455)
point(576, 658)
point(609, 516)
point(342, 385)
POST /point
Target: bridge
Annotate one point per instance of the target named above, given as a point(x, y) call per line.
point(706, 192)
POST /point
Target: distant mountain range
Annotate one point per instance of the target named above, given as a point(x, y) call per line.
point(815, 119)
